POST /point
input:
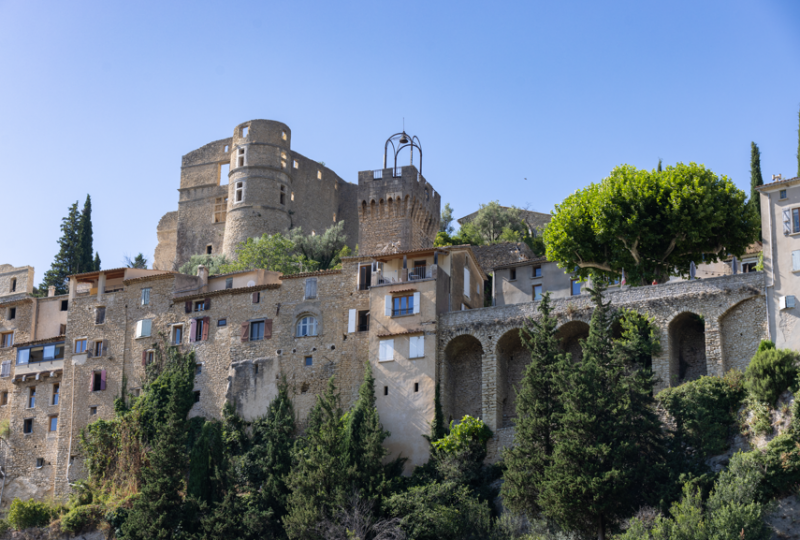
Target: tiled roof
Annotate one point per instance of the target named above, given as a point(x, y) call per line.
point(778, 183)
point(403, 333)
point(151, 277)
point(535, 260)
point(504, 253)
point(223, 292)
point(311, 274)
point(53, 339)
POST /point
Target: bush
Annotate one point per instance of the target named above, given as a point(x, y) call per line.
point(82, 518)
point(31, 513)
point(4, 526)
point(704, 410)
point(770, 373)
point(781, 461)
point(463, 434)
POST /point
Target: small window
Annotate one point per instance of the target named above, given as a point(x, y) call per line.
point(416, 347)
point(97, 381)
point(12, 313)
point(319, 175)
point(39, 462)
point(416, 387)
point(98, 348)
point(311, 288)
point(23, 356)
point(796, 261)
point(80, 345)
point(537, 271)
point(4, 398)
point(53, 423)
point(334, 217)
point(537, 293)
point(295, 164)
point(200, 305)
point(5, 369)
point(283, 195)
point(197, 396)
point(65, 305)
point(199, 328)
point(56, 392)
point(229, 283)
point(292, 195)
point(225, 149)
point(283, 135)
point(209, 249)
point(92, 411)
point(32, 397)
point(222, 322)
point(224, 170)
point(466, 282)
point(307, 326)
point(402, 305)
point(143, 328)
point(385, 390)
point(198, 369)
point(386, 350)
point(177, 334)
point(363, 321)
point(512, 274)
point(576, 287)
point(7, 339)
point(256, 330)
point(239, 193)
point(783, 194)
point(13, 286)
point(245, 130)
point(27, 426)
point(145, 296)
point(309, 360)
point(100, 315)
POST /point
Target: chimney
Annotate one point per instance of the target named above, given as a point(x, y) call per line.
point(202, 274)
point(777, 177)
point(51, 291)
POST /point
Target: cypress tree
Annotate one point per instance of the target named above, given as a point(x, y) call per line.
point(659, 164)
point(85, 242)
point(607, 436)
point(538, 407)
point(755, 177)
point(798, 143)
point(66, 260)
point(96, 263)
point(439, 426)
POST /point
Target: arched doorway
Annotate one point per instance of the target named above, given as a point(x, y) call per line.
point(687, 348)
point(512, 357)
point(462, 378)
point(569, 335)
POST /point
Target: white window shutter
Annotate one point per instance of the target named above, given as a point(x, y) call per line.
point(381, 351)
point(420, 346)
point(416, 302)
point(466, 282)
point(787, 225)
point(389, 349)
point(146, 325)
point(796, 261)
point(351, 322)
point(139, 328)
point(387, 304)
point(412, 347)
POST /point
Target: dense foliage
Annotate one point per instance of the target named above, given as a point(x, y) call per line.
point(650, 224)
point(771, 372)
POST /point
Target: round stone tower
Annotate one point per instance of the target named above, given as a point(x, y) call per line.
point(260, 182)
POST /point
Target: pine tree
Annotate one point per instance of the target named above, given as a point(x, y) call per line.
point(85, 242)
point(137, 262)
point(538, 407)
point(96, 263)
point(608, 435)
point(318, 482)
point(755, 177)
point(66, 261)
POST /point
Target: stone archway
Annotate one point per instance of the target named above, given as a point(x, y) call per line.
point(570, 334)
point(462, 378)
point(687, 348)
point(737, 326)
point(512, 357)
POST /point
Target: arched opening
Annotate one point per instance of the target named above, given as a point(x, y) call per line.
point(461, 380)
point(570, 336)
point(742, 328)
point(687, 348)
point(512, 357)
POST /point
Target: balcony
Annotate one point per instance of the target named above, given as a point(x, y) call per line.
point(401, 275)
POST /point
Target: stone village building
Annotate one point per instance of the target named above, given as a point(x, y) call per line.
point(415, 312)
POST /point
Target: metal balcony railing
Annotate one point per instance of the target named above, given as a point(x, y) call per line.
point(421, 272)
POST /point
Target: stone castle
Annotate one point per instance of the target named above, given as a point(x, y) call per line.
point(416, 313)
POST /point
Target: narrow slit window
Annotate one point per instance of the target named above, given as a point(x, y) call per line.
point(416, 387)
point(239, 196)
point(240, 157)
point(319, 175)
point(283, 135)
point(209, 249)
point(283, 194)
point(13, 285)
point(385, 390)
point(295, 164)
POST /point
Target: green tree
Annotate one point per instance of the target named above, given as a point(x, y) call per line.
point(67, 261)
point(322, 248)
point(275, 252)
point(438, 426)
point(213, 263)
point(137, 262)
point(318, 481)
point(85, 242)
point(538, 406)
point(798, 143)
point(96, 262)
point(446, 221)
point(770, 373)
point(659, 165)
point(608, 437)
point(755, 178)
point(492, 219)
point(650, 224)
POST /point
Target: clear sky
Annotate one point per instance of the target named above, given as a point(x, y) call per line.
point(105, 97)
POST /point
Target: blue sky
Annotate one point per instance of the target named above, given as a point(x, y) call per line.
point(105, 97)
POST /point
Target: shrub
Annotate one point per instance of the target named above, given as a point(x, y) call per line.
point(82, 518)
point(704, 410)
point(770, 373)
point(781, 461)
point(31, 513)
point(461, 435)
point(765, 345)
point(4, 526)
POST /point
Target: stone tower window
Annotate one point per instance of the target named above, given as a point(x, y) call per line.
point(283, 160)
point(224, 169)
point(239, 194)
point(334, 217)
point(319, 175)
point(240, 158)
point(245, 130)
point(209, 249)
point(295, 164)
point(220, 209)
point(292, 195)
point(283, 194)
point(13, 285)
point(283, 135)
point(225, 149)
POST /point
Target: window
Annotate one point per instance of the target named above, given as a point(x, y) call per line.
point(416, 346)
point(92, 411)
point(12, 313)
point(221, 209)
point(256, 330)
point(97, 348)
point(512, 274)
point(7, 339)
point(239, 192)
point(295, 164)
point(256, 298)
point(98, 381)
point(311, 288)
point(537, 293)
point(13, 286)
point(229, 283)
point(576, 287)
point(363, 321)
point(222, 322)
point(416, 387)
point(466, 282)
point(319, 175)
point(27, 426)
point(292, 198)
point(143, 328)
point(145, 296)
point(80, 345)
point(198, 369)
point(307, 326)
point(32, 397)
point(197, 396)
point(224, 170)
point(4, 398)
point(65, 305)
point(100, 315)
point(386, 350)
point(364, 277)
point(200, 331)
point(537, 271)
point(402, 305)
point(53, 423)
point(202, 305)
point(56, 390)
point(283, 135)
point(245, 129)
point(783, 194)
point(283, 194)
point(209, 249)
point(385, 390)
point(5, 369)
point(23, 356)
point(796, 220)
point(240, 157)
point(177, 334)
point(39, 462)
point(309, 360)
point(148, 357)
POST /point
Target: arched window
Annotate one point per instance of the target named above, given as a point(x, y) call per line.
point(307, 326)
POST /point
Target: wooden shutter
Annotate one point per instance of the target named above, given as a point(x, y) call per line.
point(192, 330)
point(207, 304)
point(787, 225)
point(245, 331)
point(466, 280)
point(268, 329)
point(188, 306)
point(256, 297)
point(91, 381)
point(416, 302)
point(105, 346)
point(412, 347)
point(103, 380)
point(351, 321)
point(387, 305)
point(206, 324)
point(795, 261)
point(144, 358)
